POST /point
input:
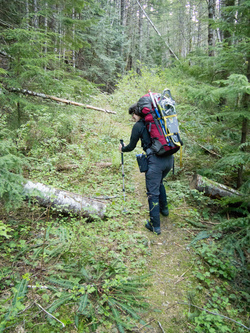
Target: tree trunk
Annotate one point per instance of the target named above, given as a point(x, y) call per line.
point(140, 34)
point(54, 98)
point(122, 13)
point(228, 19)
point(244, 128)
point(46, 32)
point(211, 10)
point(212, 188)
point(35, 22)
point(73, 33)
point(18, 114)
point(123, 26)
point(64, 201)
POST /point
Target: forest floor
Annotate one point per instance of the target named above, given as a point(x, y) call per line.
point(170, 267)
point(167, 259)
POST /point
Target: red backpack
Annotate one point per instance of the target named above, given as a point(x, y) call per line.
point(161, 121)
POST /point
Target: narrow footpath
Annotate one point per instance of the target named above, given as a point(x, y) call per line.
point(171, 268)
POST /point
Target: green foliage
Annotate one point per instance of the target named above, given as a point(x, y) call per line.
point(4, 229)
point(11, 166)
point(99, 293)
point(107, 289)
point(86, 267)
point(17, 305)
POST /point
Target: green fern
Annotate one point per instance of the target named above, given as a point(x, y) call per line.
point(83, 303)
point(11, 180)
point(66, 284)
point(62, 300)
point(128, 309)
point(116, 314)
point(19, 293)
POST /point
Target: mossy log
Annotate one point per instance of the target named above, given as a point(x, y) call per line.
point(212, 188)
point(64, 201)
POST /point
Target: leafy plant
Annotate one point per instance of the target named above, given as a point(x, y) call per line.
point(11, 166)
point(103, 295)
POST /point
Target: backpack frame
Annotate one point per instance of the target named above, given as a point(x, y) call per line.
point(158, 111)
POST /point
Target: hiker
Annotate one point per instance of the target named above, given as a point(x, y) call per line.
point(158, 168)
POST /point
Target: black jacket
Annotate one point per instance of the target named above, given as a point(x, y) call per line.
point(139, 131)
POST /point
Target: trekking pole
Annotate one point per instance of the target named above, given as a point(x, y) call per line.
point(123, 175)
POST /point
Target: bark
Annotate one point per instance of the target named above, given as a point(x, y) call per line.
point(140, 34)
point(64, 201)
point(244, 126)
point(211, 10)
point(54, 98)
point(212, 188)
point(73, 33)
point(122, 13)
point(46, 31)
point(35, 15)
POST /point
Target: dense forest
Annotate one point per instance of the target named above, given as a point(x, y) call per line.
point(69, 71)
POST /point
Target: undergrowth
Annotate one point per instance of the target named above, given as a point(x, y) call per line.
point(61, 273)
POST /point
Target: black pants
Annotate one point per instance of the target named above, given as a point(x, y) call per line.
point(158, 168)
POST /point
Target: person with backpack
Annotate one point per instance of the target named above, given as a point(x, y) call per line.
point(158, 167)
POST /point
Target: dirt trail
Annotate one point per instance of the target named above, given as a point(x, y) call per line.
point(171, 269)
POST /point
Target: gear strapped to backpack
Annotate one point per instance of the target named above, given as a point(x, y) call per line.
point(158, 111)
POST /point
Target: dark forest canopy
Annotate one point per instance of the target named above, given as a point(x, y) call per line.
point(104, 39)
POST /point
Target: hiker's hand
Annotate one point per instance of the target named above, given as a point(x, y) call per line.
point(120, 147)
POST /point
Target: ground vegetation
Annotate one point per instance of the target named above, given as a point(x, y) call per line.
point(59, 272)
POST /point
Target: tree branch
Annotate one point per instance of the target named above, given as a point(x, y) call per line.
point(49, 314)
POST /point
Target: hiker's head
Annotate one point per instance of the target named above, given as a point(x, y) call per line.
point(134, 111)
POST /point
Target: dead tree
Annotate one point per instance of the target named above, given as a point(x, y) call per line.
point(57, 99)
point(64, 201)
point(212, 188)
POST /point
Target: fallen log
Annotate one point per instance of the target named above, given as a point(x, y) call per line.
point(212, 188)
point(57, 99)
point(64, 201)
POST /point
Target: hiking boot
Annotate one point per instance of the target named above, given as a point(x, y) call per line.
point(155, 230)
point(165, 211)
point(149, 226)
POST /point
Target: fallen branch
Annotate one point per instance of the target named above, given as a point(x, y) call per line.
point(161, 327)
point(145, 325)
point(64, 201)
point(49, 314)
point(182, 275)
point(54, 98)
point(105, 197)
point(209, 151)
